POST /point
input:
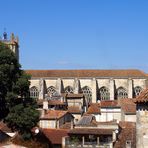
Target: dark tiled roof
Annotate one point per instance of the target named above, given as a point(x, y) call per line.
point(86, 73)
point(143, 97)
point(55, 135)
point(127, 132)
point(94, 131)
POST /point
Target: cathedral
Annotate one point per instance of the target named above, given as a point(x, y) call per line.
point(95, 85)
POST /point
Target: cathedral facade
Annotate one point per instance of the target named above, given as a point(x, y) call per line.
point(96, 85)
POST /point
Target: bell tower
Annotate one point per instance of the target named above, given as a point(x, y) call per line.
point(13, 43)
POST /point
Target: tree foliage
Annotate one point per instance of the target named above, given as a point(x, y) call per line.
point(17, 108)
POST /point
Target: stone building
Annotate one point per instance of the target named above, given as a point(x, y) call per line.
point(13, 43)
point(96, 85)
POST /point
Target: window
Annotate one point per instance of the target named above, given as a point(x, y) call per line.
point(87, 93)
point(69, 89)
point(51, 91)
point(34, 93)
point(137, 91)
point(121, 93)
point(104, 93)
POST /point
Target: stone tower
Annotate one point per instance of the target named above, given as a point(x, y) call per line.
point(13, 43)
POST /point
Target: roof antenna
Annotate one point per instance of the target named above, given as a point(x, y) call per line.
point(5, 34)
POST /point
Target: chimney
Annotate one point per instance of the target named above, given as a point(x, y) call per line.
point(72, 124)
point(45, 105)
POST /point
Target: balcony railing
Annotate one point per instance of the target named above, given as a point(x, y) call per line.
point(88, 145)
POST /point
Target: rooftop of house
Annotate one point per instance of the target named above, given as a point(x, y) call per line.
point(143, 97)
point(127, 105)
point(53, 114)
point(55, 135)
point(86, 73)
point(94, 108)
point(109, 103)
point(127, 132)
point(94, 131)
point(51, 102)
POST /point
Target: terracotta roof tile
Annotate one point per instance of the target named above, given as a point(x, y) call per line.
point(51, 102)
point(95, 131)
point(55, 135)
point(128, 106)
point(94, 108)
point(54, 114)
point(143, 97)
point(127, 132)
point(86, 73)
point(109, 103)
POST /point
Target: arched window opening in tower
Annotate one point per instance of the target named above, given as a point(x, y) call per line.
point(34, 93)
point(104, 93)
point(68, 90)
point(87, 93)
point(121, 93)
point(51, 91)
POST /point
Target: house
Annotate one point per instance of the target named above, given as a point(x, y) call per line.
point(54, 118)
point(55, 136)
point(87, 132)
point(76, 105)
point(121, 110)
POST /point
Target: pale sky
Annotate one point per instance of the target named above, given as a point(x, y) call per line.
point(79, 34)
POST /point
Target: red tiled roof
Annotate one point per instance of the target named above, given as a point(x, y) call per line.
point(143, 97)
point(55, 135)
point(94, 108)
point(109, 103)
point(86, 73)
point(75, 95)
point(51, 102)
point(54, 114)
point(128, 106)
point(55, 102)
point(94, 131)
point(127, 132)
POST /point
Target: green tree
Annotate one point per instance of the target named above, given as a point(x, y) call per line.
point(17, 109)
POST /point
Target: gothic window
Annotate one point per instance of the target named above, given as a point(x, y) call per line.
point(87, 93)
point(34, 93)
point(104, 93)
point(137, 91)
point(69, 89)
point(51, 91)
point(121, 93)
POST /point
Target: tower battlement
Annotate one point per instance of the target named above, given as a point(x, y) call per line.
point(12, 42)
